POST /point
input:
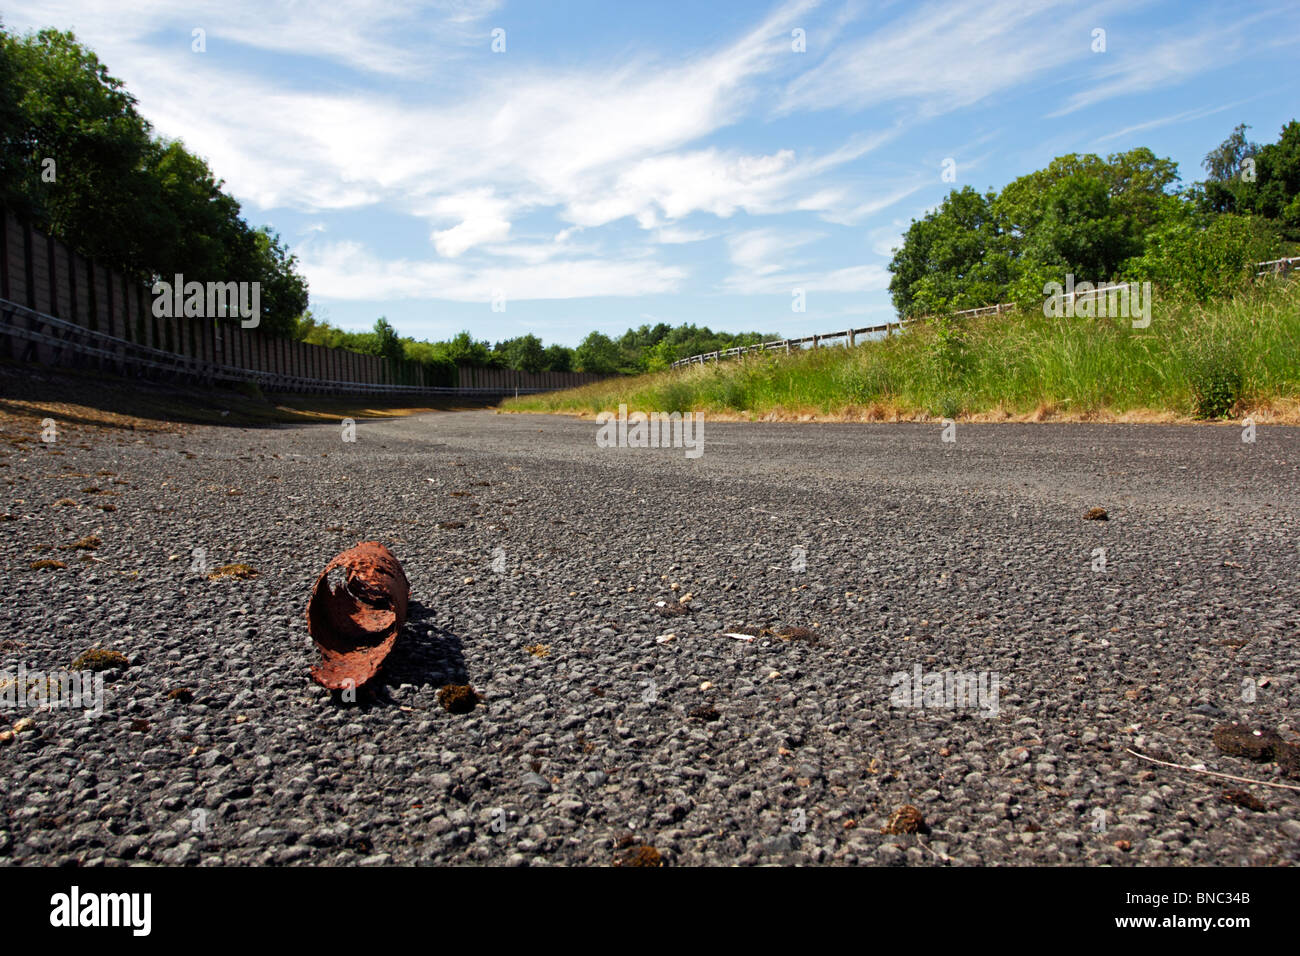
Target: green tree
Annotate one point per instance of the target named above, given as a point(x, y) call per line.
point(953, 258)
point(387, 342)
point(142, 205)
point(1079, 231)
point(464, 350)
point(598, 353)
point(557, 358)
point(523, 353)
point(1276, 190)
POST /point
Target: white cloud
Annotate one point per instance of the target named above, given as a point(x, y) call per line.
point(346, 270)
point(367, 35)
point(753, 251)
point(764, 265)
point(941, 57)
point(1154, 65)
point(472, 232)
point(1165, 121)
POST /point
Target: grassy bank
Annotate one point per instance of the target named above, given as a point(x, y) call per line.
point(1228, 358)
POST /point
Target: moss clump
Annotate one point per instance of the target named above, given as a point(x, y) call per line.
point(906, 819)
point(98, 659)
point(1252, 743)
point(458, 698)
point(644, 855)
point(45, 564)
point(792, 634)
point(241, 571)
point(1245, 799)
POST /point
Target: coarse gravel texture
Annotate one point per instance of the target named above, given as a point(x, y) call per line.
point(537, 564)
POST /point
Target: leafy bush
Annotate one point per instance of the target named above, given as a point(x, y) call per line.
point(674, 396)
point(948, 349)
point(1204, 263)
point(949, 405)
point(1214, 371)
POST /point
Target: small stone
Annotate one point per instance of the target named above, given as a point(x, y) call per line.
point(536, 781)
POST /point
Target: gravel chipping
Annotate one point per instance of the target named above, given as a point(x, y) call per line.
point(801, 570)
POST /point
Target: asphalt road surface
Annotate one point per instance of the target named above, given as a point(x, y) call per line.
point(548, 574)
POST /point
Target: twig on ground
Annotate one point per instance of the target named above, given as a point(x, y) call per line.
point(1213, 773)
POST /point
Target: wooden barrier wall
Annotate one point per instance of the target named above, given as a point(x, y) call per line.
point(42, 273)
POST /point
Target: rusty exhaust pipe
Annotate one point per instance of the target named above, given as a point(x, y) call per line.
point(356, 610)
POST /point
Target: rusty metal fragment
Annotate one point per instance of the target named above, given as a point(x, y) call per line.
point(357, 608)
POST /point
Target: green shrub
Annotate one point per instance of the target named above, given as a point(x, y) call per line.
point(1205, 262)
point(674, 396)
point(1215, 375)
point(949, 405)
point(948, 349)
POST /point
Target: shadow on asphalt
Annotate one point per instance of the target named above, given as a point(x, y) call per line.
point(423, 654)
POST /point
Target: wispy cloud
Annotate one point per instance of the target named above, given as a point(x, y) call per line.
point(1183, 117)
point(941, 57)
point(346, 270)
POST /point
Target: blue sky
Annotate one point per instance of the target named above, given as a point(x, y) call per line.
point(624, 162)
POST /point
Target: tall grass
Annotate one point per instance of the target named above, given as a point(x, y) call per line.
point(1194, 360)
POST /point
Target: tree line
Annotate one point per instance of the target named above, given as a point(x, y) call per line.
point(1121, 218)
point(79, 162)
point(642, 349)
